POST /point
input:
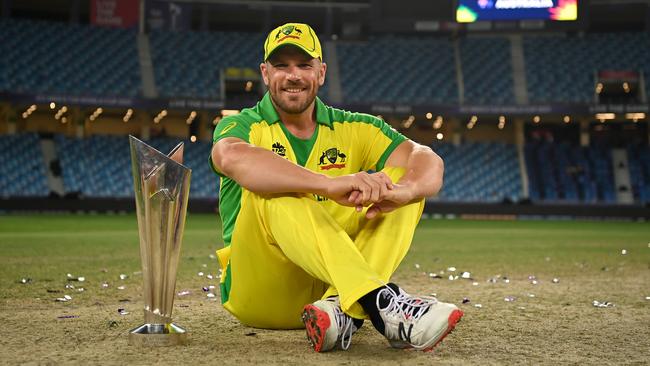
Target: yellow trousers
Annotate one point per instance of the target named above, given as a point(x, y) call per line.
point(288, 251)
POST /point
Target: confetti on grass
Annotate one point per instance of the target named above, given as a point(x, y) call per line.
point(70, 277)
point(65, 298)
point(605, 304)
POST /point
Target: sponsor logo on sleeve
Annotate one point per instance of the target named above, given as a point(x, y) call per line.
point(229, 127)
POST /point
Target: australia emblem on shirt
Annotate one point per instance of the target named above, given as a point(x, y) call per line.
point(332, 158)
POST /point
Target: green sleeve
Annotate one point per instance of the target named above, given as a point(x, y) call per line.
point(382, 141)
point(231, 126)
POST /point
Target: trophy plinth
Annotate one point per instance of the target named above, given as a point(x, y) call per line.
point(161, 184)
point(154, 335)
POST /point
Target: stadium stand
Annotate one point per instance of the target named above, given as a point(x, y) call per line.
point(564, 173)
point(188, 64)
point(97, 166)
point(487, 172)
point(22, 171)
point(100, 166)
point(487, 70)
point(561, 68)
point(639, 162)
point(50, 57)
point(398, 70)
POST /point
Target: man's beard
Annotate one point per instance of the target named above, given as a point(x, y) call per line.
point(291, 108)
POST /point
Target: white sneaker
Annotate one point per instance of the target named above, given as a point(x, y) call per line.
point(416, 322)
point(327, 325)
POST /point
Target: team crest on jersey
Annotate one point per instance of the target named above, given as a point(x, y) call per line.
point(279, 149)
point(334, 156)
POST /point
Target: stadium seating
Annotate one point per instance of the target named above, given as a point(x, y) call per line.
point(59, 58)
point(564, 173)
point(73, 59)
point(188, 64)
point(562, 68)
point(22, 171)
point(100, 166)
point(49, 57)
point(486, 172)
point(487, 70)
point(398, 70)
point(639, 163)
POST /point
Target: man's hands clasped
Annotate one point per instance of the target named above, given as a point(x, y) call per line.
point(363, 189)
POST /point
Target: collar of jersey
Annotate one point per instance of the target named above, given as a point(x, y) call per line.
point(270, 115)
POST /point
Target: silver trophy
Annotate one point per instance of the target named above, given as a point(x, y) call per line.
point(162, 185)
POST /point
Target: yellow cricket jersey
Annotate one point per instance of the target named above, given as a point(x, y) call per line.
point(343, 143)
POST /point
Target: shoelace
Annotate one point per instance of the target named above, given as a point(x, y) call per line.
point(345, 325)
point(409, 307)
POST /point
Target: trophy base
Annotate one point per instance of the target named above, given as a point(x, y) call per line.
point(158, 335)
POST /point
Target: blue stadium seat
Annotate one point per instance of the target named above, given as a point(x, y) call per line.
point(22, 171)
point(188, 64)
point(562, 68)
point(564, 173)
point(100, 166)
point(49, 57)
point(487, 70)
point(398, 70)
point(486, 172)
point(639, 163)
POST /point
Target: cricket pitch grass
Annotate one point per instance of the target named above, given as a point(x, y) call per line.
point(524, 316)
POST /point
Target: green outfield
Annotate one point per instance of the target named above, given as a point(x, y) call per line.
point(546, 321)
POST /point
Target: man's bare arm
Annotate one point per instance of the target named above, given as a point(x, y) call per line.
point(424, 169)
point(262, 171)
point(423, 177)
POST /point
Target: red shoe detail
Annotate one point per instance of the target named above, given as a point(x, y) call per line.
point(317, 322)
point(453, 319)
